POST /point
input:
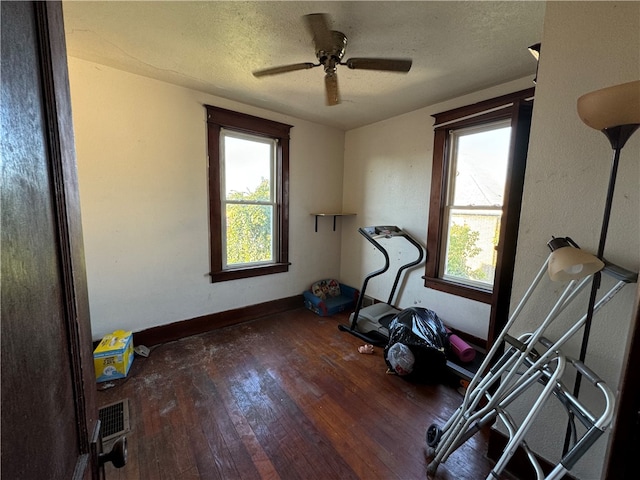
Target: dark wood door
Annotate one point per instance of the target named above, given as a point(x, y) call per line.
point(49, 417)
point(625, 436)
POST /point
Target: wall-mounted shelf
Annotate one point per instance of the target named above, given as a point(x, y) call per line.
point(334, 215)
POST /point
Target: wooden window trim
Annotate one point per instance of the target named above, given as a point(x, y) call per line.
point(218, 118)
point(493, 110)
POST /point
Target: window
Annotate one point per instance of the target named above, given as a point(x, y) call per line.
point(478, 160)
point(248, 195)
point(248, 199)
point(476, 188)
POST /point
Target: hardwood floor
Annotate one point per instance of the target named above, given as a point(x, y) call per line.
point(283, 397)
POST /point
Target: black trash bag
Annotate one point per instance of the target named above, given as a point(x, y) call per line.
point(418, 345)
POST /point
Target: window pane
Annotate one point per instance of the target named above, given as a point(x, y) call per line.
point(247, 168)
point(481, 160)
point(471, 254)
point(249, 233)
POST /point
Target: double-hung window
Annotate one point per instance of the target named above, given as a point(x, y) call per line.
point(477, 170)
point(479, 160)
point(248, 194)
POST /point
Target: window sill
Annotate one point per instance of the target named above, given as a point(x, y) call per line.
point(238, 273)
point(458, 289)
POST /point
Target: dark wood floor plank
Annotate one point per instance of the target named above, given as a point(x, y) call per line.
point(261, 461)
point(323, 461)
point(205, 457)
point(283, 397)
point(355, 391)
point(440, 402)
point(274, 438)
point(243, 398)
point(230, 456)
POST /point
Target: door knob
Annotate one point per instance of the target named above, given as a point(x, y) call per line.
point(117, 455)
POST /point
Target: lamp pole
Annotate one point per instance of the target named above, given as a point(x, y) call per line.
point(618, 137)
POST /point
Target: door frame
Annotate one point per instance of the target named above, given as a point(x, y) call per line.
point(56, 100)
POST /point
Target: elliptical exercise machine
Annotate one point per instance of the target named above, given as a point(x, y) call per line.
point(371, 323)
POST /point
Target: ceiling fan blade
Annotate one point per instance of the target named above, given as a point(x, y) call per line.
point(386, 64)
point(284, 69)
point(331, 86)
point(318, 24)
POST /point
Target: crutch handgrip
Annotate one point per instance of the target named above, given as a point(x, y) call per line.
point(585, 371)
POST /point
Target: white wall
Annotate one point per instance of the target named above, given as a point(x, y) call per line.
point(585, 46)
point(142, 164)
point(387, 181)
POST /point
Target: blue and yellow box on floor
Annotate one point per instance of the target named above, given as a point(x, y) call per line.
point(113, 356)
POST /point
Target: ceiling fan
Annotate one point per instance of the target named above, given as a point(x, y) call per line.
point(330, 48)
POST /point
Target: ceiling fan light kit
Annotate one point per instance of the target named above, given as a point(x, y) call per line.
point(330, 48)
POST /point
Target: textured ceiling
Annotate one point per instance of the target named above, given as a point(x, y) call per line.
point(213, 46)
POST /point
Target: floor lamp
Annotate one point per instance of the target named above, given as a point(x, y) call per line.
point(615, 111)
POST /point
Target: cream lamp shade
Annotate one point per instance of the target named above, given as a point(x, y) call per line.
point(568, 262)
point(611, 107)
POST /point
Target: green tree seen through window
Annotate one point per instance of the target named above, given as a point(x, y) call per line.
point(463, 246)
point(249, 226)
